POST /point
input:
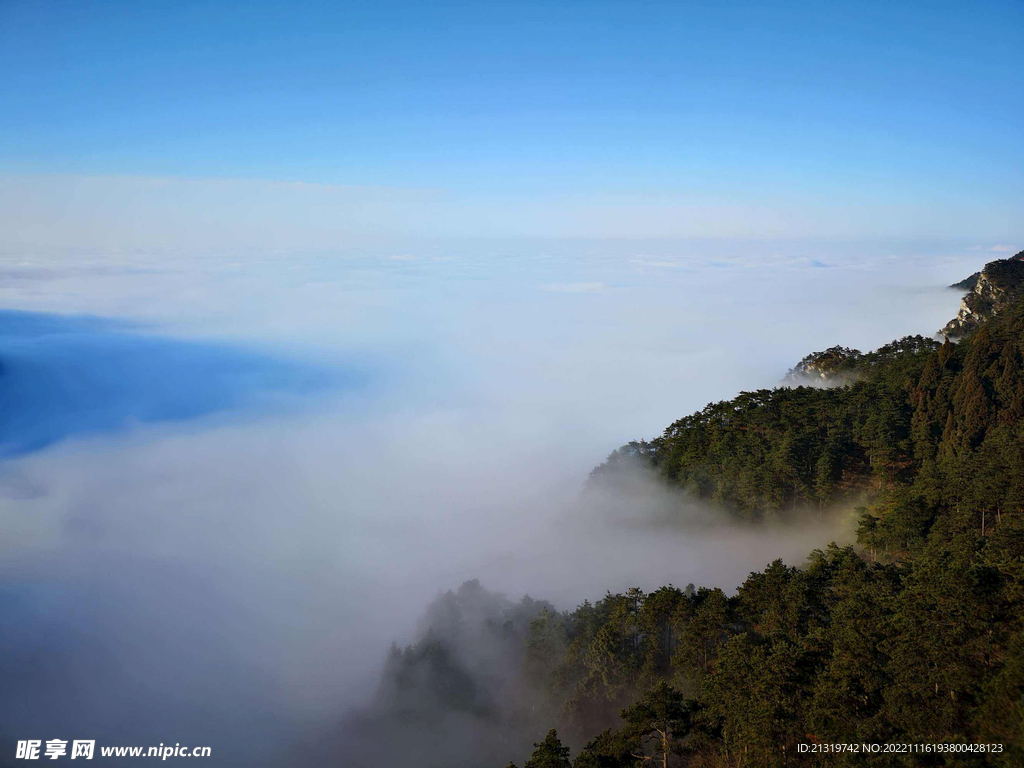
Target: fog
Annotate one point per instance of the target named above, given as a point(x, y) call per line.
point(232, 479)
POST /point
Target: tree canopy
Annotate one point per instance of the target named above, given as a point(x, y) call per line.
point(915, 635)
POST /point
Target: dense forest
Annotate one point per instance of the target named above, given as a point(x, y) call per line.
point(915, 635)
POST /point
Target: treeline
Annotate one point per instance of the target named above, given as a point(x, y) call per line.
point(456, 697)
point(768, 451)
point(467, 661)
point(917, 636)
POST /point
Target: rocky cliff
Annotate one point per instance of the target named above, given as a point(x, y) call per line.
point(990, 291)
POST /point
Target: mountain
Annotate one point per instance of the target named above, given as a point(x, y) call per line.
point(988, 293)
point(915, 635)
point(773, 451)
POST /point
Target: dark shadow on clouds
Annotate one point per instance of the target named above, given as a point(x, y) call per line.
point(63, 377)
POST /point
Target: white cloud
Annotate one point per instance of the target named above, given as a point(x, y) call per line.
point(574, 287)
point(654, 263)
point(297, 548)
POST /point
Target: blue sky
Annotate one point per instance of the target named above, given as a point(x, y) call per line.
point(915, 106)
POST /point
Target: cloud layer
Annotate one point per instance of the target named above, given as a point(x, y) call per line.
point(236, 582)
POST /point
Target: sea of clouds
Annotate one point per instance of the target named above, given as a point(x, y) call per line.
point(231, 479)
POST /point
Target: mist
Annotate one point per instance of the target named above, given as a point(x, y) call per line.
point(259, 468)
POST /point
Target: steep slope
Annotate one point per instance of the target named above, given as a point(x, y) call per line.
point(771, 451)
point(989, 292)
point(917, 636)
point(914, 636)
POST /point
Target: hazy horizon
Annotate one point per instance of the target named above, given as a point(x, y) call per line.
point(241, 124)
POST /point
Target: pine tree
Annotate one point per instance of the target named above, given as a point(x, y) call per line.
point(656, 724)
point(549, 753)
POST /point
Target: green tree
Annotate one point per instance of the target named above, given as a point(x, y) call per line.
point(707, 628)
point(549, 753)
point(611, 749)
point(656, 724)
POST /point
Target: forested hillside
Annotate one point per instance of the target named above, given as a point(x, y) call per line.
point(916, 635)
point(772, 450)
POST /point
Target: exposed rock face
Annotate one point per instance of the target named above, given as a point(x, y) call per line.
point(834, 365)
point(990, 291)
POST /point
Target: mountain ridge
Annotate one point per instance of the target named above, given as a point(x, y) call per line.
point(914, 635)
